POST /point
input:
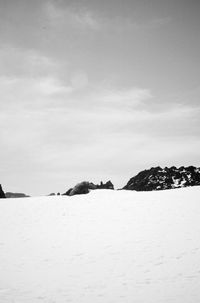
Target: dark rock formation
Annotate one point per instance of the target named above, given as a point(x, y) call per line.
point(158, 178)
point(107, 185)
point(68, 192)
point(2, 194)
point(84, 188)
point(80, 188)
point(15, 195)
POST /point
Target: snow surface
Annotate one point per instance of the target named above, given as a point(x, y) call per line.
point(107, 246)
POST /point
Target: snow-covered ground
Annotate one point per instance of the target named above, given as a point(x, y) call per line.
point(107, 246)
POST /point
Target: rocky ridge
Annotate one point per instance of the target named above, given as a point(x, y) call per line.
point(158, 178)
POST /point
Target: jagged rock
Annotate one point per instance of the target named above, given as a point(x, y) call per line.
point(158, 178)
point(107, 185)
point(2, 194)
point(85, 186)
point(15, 195)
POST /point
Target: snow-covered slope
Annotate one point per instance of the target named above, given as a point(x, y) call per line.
point(107, 246)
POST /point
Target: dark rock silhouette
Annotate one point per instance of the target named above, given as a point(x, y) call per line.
point(107, 185)
point(68, 192)
point(80, 188)
point(158, 178)
point(15, 195)
point(2, 194)
point(85, 186)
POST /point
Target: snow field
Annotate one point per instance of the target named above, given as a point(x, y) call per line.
point(103, 247)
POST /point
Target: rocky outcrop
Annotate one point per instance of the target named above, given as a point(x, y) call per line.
point(2, 194)
point(158, 178)
point(107, 185)
point(15, 195)
point(80, 188)
point(85, 187)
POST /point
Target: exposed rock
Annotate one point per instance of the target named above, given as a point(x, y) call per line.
point(158, 178)
point(68, 192)
point(2, 194)
point(107, 185)
point(15, 195)
point(80, 188)
point(85, 186)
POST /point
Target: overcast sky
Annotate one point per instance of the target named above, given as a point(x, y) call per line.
point(96, 90)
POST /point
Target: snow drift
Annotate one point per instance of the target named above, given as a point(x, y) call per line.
point(107, 246)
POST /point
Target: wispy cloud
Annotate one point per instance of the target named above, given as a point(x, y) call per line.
point(28, 78)
point(129, 97)
point(81, 19)
point(19, 62)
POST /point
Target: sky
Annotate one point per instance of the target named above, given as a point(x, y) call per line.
point(96, 90)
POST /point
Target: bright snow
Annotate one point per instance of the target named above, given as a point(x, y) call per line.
point(104, 247)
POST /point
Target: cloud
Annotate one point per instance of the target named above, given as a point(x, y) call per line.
point(83, 18)
point(18, 62)
point(94, 97)
point(24, 92)
point(130, 97)
point(158, 22)
point(51, 86)
point(60, 16)
point(79, 79)
point(29, 78)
